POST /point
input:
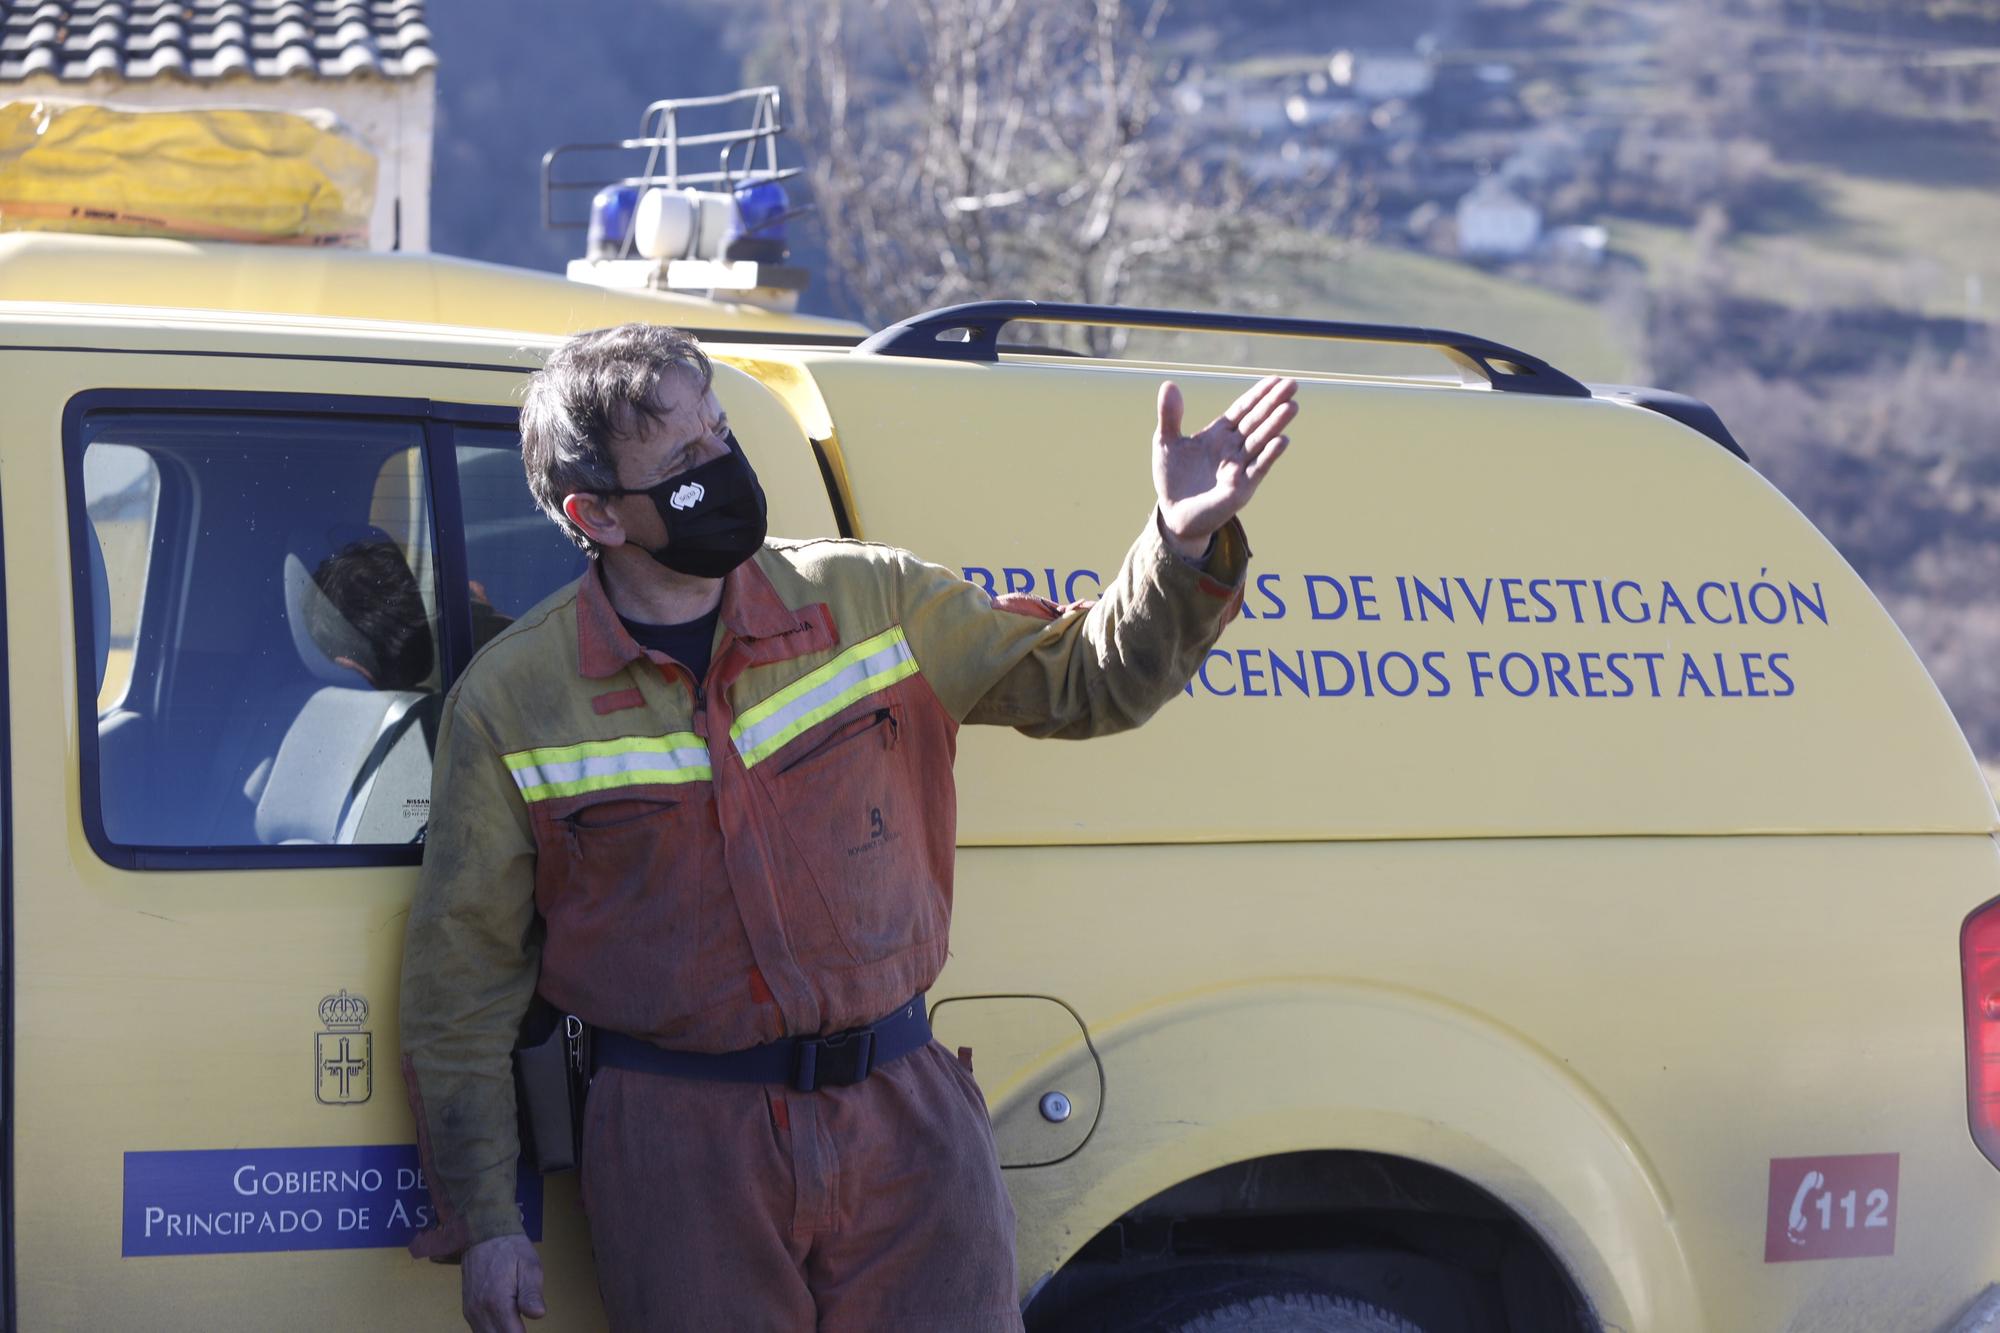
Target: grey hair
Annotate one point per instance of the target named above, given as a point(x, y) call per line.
point(593, 390)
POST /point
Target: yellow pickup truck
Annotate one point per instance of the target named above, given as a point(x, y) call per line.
point(1562, 901)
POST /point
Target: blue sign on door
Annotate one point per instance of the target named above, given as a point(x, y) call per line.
point(232, 1201)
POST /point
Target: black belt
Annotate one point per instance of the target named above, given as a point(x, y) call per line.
point(805, 1063)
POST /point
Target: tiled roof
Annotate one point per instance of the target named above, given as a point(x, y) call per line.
point(75, 40)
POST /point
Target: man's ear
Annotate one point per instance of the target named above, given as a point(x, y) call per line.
point(353, 665)
point(590, 513)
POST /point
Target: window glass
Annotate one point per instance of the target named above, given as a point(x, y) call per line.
point(121, 489)
point(514, 555)
point(280, 628)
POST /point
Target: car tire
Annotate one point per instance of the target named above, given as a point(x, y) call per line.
point(1233, 1300)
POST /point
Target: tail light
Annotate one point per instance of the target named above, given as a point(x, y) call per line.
point(1979, 962)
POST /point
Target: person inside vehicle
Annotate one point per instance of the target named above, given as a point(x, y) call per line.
point(370, 617)
point(703, 799)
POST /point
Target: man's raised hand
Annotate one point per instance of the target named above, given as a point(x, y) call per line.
point(1205, 478)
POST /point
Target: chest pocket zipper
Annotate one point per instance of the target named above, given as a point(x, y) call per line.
point(576, 822)
point(882, 718)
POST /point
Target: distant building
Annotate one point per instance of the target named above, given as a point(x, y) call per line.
point(1293, 161)
point(1257, 110)
point(1225, 104)
point(1304, 110)
point(371, 64)
point(1496, 223)
point(1378, 76)
point(1583, 244)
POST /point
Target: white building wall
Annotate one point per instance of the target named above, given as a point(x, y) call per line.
point(1497, 222)
point(1381, 77)
point(1258, 111)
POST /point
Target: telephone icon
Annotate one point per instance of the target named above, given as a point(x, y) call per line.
point(1796, 1226)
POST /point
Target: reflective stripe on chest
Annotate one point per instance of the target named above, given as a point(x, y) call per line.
point(867, 668)
point(630, 761)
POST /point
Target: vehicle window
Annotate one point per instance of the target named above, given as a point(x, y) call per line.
point(121, 489)
point(279, 626)
point(514, 556)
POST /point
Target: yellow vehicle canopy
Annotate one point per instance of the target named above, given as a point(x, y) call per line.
point(227, 175)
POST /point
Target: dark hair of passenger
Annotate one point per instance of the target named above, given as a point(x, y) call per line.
point(595, 389)
point(370, 586)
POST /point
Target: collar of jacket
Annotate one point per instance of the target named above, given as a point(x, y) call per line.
point(763, 627)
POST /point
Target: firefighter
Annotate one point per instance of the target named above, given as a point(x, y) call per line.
point(703, 799)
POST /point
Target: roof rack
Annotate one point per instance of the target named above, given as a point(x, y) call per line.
point(661, 140)
point(675, 225)
point(971, 332)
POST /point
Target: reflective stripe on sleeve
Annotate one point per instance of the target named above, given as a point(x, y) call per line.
point(631, 761)
point(867, 668)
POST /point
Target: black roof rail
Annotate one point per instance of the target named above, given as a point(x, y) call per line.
point(971, 332)
point(1688, 411)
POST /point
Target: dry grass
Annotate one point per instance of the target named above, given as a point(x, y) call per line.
point(1903, 241)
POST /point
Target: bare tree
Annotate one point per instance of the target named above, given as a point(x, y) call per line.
point(964, 149)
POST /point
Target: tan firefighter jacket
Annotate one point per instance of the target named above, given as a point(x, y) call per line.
point(765, 853)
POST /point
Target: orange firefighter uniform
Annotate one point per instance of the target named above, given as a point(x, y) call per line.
point(710, 865)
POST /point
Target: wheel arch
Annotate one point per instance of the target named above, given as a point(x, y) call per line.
point(1216, 1081)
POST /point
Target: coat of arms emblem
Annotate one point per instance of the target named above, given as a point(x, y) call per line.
point(343, 1055)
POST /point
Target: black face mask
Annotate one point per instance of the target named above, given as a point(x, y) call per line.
point(713, 514)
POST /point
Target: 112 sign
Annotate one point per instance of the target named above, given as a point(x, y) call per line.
point(1831, 1207)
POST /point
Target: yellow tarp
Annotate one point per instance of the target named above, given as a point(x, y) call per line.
point(226, 175)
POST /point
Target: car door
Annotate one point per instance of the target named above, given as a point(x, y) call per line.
point(271, 556)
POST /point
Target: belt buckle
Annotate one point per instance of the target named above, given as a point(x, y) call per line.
point(835, 1061)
